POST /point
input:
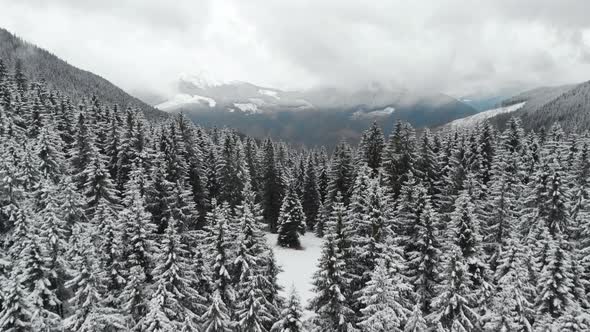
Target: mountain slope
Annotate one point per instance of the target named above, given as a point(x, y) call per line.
point(473, 120)
point(570, 109)
point(321, 116)
point(39, 64)
point(567, 104)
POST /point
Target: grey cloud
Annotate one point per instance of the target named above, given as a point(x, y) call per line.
point(453, 46)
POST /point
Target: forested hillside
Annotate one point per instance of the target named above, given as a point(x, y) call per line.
point(568, 105)
point(112, 223)
point(38, 64)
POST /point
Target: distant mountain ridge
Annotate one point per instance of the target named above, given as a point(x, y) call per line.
point(312, 117)
point(39, 64)
point(568, 105)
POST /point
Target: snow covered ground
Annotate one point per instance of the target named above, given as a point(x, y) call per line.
point(298, 265)
point(473, 120)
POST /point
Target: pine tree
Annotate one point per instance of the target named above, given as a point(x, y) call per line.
point(465, 234)
point(216, 319)
point(416, 321)
point(291, 220)
point(291, 316)
point(158, 198)
point(173, 293)
point(371, 147)
point(71, 205)
point(556, 206)
point(231, 170)
point(512, 308)
point(83, 151)
point(201, 281)
point(271, 287)
point(385, 307)
point(16, 314)
point(28, 168)
point(137, 232)
point(580, 190)
point(249, 260)
point(330, 284)
point(183, 208)
point(341, 175)
point(50, 154)
point(369, 240)
point(424, 262)
point(501, 209)
point(156, 318)
point(453, 307)
point(399, 157)
point(52, 239)
point(19, 77)
point(43, 300)
point(222, 280)
point(555, 286)
point(252, 312)
point(98, 185)
point(428, 164)
point(322, 218)
point(172, 149)
point(134, 300)
point(110, 251)
point(311, 195)
point(88, 310)
point(410, 206)
point(272, 187)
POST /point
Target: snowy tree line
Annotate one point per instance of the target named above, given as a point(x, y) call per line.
point(112, 223)
point(472, 230)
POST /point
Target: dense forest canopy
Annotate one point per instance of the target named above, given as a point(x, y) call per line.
point(109, 222)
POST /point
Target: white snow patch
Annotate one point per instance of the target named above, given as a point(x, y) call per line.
point(184, 99)
point(270, 93)
point(248, 108)
point(298, 265)
point(373, 114)
point(473, 120)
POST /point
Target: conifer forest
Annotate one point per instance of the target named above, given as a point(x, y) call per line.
point(113, 222)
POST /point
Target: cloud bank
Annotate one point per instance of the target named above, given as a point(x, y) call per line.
point(457, 47)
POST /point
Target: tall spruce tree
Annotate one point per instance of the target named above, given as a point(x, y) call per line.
point(399, 157)
point(272, 186)
point(371, 147)
point(332, 281)
point(311, 199)
point(291, 319)
point(291, 220)
point(341, 174)
point(454, 306)
point(385, 303)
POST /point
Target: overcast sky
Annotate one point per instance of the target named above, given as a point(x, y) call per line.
point(452, 46)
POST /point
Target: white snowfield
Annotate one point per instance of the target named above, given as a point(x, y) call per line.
point(473, 120)
point(184, 99)
point(298, 265)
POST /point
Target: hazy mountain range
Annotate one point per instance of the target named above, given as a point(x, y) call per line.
point(318, 116)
